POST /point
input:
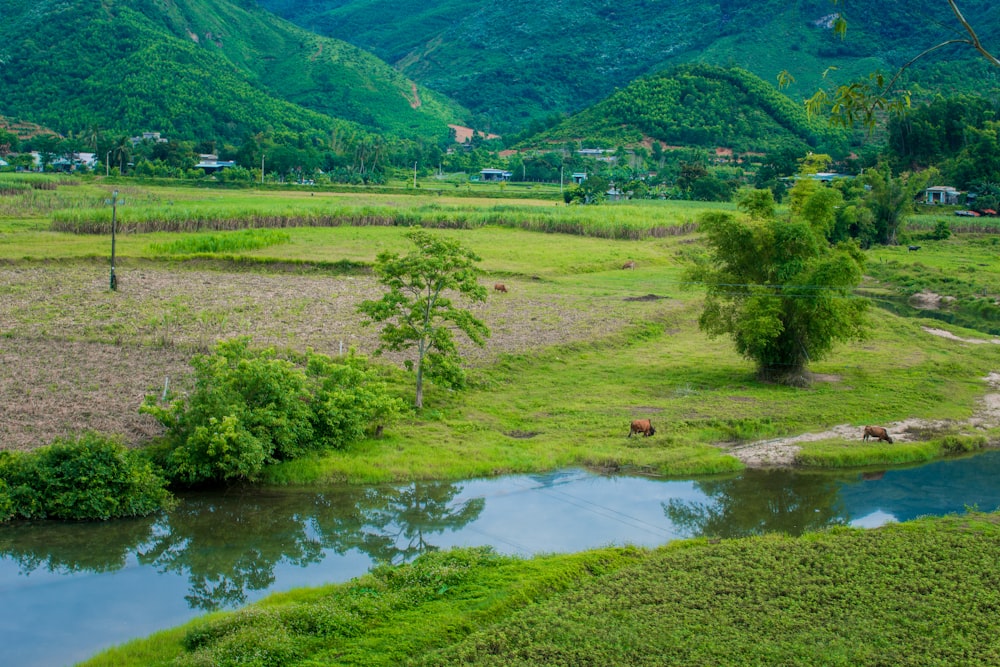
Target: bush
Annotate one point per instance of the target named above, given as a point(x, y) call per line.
point(250, 408)
point(92, 477)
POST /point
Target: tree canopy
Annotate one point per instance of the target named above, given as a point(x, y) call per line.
point(778, 288)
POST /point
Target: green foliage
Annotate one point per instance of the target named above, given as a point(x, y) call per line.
point(890, 199)
point(250, 408)
point(780, 292)
point(131, 67)
point(417, 311)
point(698, 105)
point(90, 477)
point(941, 230)
point(241, 241)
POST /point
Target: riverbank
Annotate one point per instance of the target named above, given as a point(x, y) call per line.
point(844, 596)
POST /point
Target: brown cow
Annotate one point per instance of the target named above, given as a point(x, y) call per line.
point(629, 264)
point(500, 287)
point(877, 432)
point(642, 426)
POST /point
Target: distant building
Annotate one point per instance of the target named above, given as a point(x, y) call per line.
point(579, 177)
point(493, 175)
point(941, 194)
point(148, 136)
point(211, 163)
point(591, 152)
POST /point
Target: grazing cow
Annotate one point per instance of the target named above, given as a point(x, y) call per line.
point(642, 426)
point(629, 264)
point(500, 287)
point(914, 248)
point(878, 433)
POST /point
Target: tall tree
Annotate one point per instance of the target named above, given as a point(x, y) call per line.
point(417, 310)
point(779, 290)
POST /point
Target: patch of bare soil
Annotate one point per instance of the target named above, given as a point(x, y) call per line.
point(950, 336)
point(780, 452)
point(75, 356)
point(648, 297)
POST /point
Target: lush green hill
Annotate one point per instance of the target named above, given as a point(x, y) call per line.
point(196, 69)
point(698, 105)
point(520, 59)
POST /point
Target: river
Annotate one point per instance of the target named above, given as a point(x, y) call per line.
point(69, 590)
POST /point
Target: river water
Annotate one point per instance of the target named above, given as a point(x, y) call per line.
point(68, 590)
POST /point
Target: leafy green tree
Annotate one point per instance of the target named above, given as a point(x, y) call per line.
point(250, 408)
point(417, 310)
point(779, 290)
point(890, 199)
point(593, 190)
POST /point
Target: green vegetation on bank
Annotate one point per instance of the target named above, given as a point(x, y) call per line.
point(89, 477)
point(840, 597)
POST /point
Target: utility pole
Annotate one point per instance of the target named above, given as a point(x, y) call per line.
point(114, 210)
point(262, 168)
point(414, 175)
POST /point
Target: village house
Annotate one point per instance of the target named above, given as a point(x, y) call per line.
point(494, 175)
point(211, 163)
point(941, 194)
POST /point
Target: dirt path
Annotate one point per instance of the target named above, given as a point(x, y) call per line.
point(782, 451)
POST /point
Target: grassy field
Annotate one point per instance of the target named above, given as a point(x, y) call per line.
point(919, 593)
point(579, 347)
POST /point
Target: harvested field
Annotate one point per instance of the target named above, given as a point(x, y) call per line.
point(77, 356)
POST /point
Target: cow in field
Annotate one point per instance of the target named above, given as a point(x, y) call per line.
point(629, 264)
point(500, 287)
point(878, 433)
point(641, 426)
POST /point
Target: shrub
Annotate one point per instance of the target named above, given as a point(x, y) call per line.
point(92, 477)
point(250, 408)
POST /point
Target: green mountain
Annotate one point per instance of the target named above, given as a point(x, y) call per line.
point(698, 105)
point(519, 60)
point(197, 69)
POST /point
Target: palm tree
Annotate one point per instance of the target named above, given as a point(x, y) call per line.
point(122, 152)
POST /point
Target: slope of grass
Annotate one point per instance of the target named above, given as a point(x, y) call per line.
point(841, 597)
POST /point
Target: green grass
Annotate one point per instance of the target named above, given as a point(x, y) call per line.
point(231, 242)
point(529, 408)
point(852, 454)
point(918, 593)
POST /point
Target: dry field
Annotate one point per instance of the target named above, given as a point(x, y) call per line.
point(76, 356)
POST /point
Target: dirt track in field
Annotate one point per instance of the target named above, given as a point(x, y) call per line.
point(75, 356)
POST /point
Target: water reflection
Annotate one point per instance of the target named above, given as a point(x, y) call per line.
point(71, 589)
point(227, 546)
point(63, 548)
point(758, 502)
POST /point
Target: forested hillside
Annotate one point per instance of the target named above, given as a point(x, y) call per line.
point(520, 60)
point(198, 69)
point(699, 105)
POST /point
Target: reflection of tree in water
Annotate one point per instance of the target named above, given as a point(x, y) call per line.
point(229, 544)
point(391, 524)
point(760, 502)
point(68, 547)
